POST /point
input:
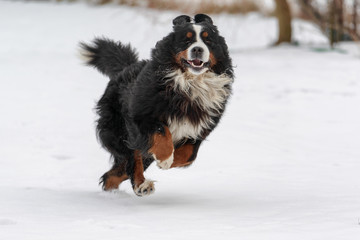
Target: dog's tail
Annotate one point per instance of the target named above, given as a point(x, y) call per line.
point(107, 56)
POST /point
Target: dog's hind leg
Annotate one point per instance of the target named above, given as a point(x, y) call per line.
point(116, 175)
point(141, 186)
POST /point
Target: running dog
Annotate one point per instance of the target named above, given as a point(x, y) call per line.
point(160, 109)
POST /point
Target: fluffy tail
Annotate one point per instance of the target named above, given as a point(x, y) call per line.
point(107, 56)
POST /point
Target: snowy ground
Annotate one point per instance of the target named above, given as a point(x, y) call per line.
point(283, 164)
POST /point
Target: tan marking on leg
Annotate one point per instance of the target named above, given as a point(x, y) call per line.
point(113, 182)
point(142, 187)
point(162, 145)
point(138, 169)
point(182, 155)
point(112, 178)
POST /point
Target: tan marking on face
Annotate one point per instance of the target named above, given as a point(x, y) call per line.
point(181, 55)
point(189, 34)
point(162, 145)
point(205, 34)
point(212, 60)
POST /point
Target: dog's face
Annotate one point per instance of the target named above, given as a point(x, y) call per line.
point(197, 45)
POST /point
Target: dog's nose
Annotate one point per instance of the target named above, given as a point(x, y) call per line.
point(197, 50)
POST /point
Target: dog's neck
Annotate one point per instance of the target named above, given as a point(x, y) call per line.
point(208, 92)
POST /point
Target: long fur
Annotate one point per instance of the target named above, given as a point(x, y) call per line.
point(109, 57)
point(144, 96)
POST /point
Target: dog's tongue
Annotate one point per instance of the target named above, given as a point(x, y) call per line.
point(196, 62)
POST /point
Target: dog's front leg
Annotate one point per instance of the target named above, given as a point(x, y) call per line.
point(162, 148)
point(141, 186)
point(185, 154)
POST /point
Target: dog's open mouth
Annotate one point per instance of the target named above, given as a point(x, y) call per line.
point(195, 64)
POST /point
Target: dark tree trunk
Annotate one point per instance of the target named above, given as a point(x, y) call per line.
point(339, 5)
point(332, 32)
point(355, 16)
point(283, 15)
point(336, 20)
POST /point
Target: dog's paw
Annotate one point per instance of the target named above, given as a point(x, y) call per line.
point(165, 164)
point(146, 188)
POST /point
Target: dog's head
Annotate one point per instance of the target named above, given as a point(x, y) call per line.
point(195, 46)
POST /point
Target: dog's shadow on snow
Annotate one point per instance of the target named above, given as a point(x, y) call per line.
point(156, 199)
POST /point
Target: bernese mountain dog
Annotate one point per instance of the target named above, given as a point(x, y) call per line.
point(160, 109)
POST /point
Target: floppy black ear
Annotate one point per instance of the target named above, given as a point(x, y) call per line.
point(203, 18)
point(181, 20)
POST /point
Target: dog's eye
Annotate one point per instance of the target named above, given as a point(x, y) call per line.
point(205, 36)
point(188, 38)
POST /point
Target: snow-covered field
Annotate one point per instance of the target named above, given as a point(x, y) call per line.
point(283, 164)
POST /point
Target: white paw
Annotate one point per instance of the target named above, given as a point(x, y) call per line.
point(165, 164)
point(146, 188)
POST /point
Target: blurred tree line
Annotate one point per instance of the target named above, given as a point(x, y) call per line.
point(337, 19)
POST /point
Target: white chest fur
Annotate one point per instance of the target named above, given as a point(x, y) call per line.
point(207, 91)
point(183, 128)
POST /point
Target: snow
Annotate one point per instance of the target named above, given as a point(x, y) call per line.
point(283, 163)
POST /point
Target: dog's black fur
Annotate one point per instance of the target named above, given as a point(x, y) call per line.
point(142, 95)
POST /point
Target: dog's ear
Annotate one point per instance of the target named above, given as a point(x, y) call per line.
point(203, 18)
point(181, 20)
